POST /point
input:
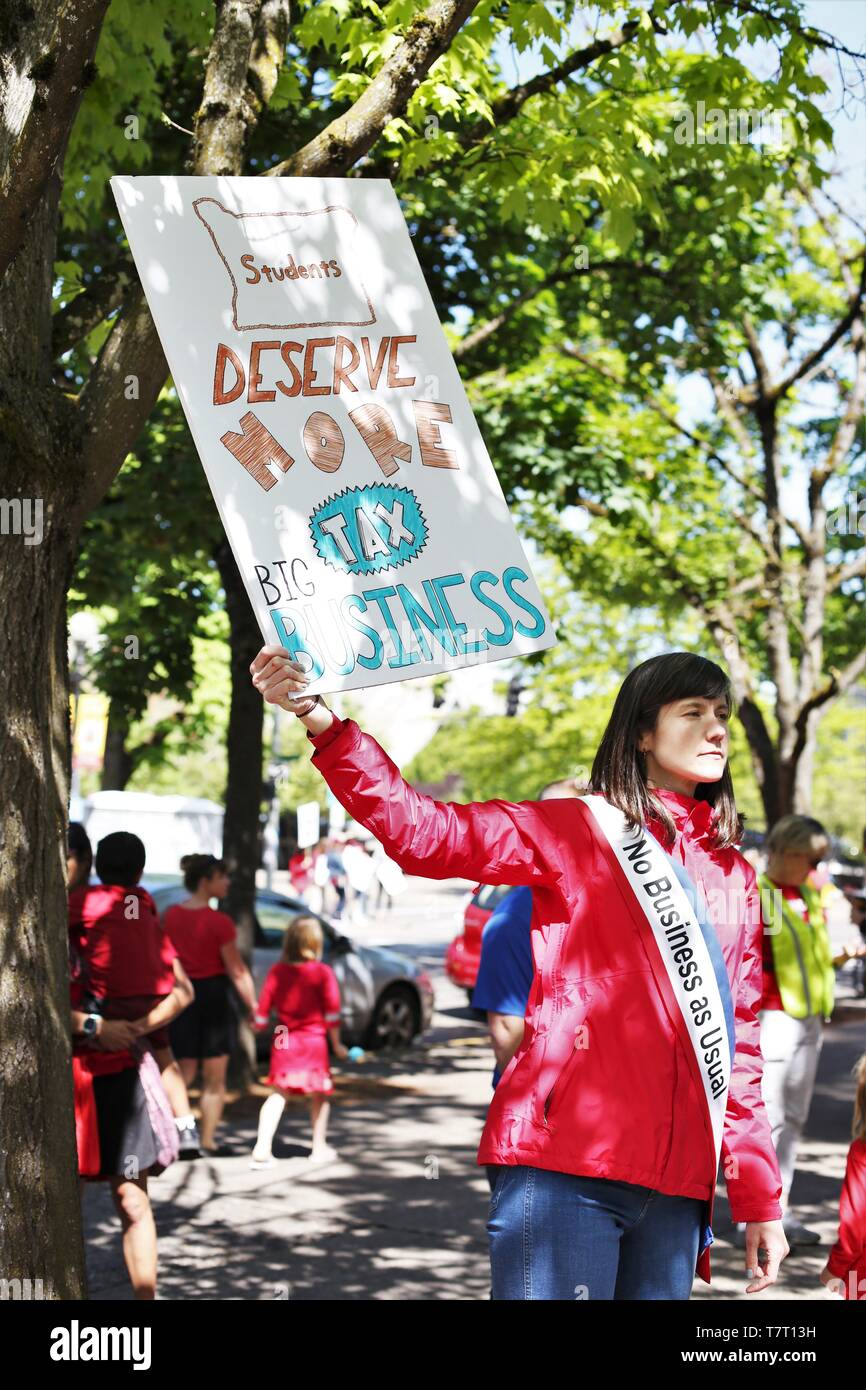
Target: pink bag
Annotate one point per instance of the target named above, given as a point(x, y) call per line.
point(158, 1109)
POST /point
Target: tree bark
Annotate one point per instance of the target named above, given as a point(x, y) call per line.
point(241, 827)
point(41, 441)
point(117, 762)
point(45, 71)
point(40, 1214)
point(243, 800)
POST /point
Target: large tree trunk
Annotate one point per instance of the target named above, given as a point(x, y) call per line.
point(40, 439)
point(40, 1218)
point(242, 826)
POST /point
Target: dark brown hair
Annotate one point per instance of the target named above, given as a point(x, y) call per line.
point(619, 769)
point(198, 866)
point(79, 846)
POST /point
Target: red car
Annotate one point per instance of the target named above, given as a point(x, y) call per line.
point(464, 954)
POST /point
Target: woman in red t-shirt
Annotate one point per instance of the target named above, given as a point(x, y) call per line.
point(205, 941)
point(303, 992)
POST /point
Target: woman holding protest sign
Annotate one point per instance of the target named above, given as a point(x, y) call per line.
point(640, 1064)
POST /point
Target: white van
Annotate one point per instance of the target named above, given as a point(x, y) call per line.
point(170, 826)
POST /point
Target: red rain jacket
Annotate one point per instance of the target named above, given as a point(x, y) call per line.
point(601, 1052)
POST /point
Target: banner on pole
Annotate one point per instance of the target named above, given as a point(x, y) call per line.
point(308, 824)
point(361, 504)
point(336, 813)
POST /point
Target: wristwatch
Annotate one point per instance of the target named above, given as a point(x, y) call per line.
point(90, 1026)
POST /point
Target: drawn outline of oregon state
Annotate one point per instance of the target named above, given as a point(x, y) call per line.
point(304, 323)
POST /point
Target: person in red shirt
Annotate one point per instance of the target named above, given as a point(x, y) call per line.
point(131, 965)
point(304, 994)
point(301, 867)
point(205, 941)
point(126, 986)
point(79, 862)
point(845, 1271)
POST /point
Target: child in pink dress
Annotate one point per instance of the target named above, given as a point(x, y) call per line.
point(304, 994)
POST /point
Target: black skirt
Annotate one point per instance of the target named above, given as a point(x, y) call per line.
point(204, 1029)
point(127, 1144)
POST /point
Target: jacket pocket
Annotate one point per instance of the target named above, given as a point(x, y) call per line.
point(556, 1090)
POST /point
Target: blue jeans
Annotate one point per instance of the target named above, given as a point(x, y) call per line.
point(565, 1236)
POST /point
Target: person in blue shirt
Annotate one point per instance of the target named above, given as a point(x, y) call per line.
point(506, 967)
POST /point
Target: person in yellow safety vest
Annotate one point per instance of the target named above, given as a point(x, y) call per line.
point(798, 991)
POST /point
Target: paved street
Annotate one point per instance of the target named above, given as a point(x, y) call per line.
point(401, 1213)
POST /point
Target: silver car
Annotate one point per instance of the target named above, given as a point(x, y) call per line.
point(386, 1000)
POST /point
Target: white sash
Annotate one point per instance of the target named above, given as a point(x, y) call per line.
point(685, 954)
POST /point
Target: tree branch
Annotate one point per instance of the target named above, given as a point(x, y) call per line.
point(811, 359)
point(561, 273)
point(44, 77)
point(248, 39)
point(817, 37)
point(506, 107)
point(242, 67)
point(759, 362)
point(847, 429)
point(741, 519)
point(349, 136)
point(829, 231)
point(838, 684)
point(840, 574)
point(94, 303)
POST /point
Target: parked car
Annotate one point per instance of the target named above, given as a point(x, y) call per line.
point(387, 1000)
point(463, 956)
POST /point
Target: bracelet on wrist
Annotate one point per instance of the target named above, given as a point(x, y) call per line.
point(314, 700)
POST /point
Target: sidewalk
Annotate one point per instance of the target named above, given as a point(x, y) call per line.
point(400, 1215)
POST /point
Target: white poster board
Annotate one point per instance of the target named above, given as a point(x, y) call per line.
point(336, 813)
point(354, 486)
point(308, 824)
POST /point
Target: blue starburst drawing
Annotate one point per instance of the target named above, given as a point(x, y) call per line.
point(363, 530)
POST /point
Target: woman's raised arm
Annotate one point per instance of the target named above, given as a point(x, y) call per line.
point(488, 841)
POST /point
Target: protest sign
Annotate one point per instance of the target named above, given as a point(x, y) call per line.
point(354, 486)
point(308, 824)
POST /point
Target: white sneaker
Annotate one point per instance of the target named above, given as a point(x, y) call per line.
point(323, 1155)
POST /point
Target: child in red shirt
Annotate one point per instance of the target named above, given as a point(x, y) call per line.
point(845, 1270)
point(304, 994)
